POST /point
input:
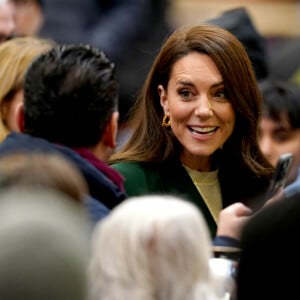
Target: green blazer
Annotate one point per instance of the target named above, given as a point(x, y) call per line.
point(163, 178)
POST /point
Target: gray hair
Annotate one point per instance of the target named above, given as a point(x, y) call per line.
point(151, 247)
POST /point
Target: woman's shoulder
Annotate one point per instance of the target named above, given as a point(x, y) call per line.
point(139, 177)
point(139, 171)
point(131, 167)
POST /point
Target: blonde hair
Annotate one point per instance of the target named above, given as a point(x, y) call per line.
point(15, 57)
point(151, 247)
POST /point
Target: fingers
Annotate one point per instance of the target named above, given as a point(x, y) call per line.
point(232, 220)
point(238, 209)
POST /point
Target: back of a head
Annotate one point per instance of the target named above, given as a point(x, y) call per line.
point(151, 247)
point(44, 249)
point(69, 95)
point(15, 56)
point(50, 170)
point(269, 261)
point(239, 23)
point(280, 97)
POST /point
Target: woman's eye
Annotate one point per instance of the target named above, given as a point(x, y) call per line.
point(221, 94)
point(185, 94)
point(281, 137)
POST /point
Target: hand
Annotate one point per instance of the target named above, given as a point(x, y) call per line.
point(232, 220)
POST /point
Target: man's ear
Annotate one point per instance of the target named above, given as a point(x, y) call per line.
point(20, 116)
point(111, 131)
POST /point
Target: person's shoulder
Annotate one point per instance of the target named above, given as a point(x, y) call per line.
point(137, 171)
point(95, 209)
point(131, 167)
point(139, 177)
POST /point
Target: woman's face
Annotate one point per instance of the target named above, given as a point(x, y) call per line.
point(202, 118)
point(278, 137)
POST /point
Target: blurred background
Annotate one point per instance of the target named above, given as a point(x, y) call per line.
point(278, 21)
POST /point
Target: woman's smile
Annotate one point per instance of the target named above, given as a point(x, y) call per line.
point(202, 118)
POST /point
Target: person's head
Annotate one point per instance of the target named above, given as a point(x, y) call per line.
point(44, 238)
point(7, 20)
point(151, 247)
point(15, 56)
point(269, 261)
point(38, 169)
point(29, 17)
point(203, 87)
point(279, 126)
point(71, 97)
point(238, 21)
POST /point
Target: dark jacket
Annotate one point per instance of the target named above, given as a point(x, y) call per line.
point(104, 194)
point(170, 177)
point(143, 178)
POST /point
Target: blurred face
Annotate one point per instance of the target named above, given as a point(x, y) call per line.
point(278, 137)
point(28, 18)
point(202, 118)
point(7, 22)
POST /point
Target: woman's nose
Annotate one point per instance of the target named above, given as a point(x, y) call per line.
point(204, 107)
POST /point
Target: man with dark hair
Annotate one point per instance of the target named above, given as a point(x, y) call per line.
point(279, 127)
point(130, 32)
point(70, 106)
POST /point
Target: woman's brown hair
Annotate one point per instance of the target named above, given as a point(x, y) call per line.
point(151, 142)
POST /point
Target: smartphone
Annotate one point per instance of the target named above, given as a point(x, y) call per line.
point(280, 175)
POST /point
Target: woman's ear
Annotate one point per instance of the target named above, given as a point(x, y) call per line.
point(111, 131)
point(163, 98)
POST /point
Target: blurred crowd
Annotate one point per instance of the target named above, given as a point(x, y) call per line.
point(137, 145)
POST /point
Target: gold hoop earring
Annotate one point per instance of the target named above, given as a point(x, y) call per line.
point(166, 122)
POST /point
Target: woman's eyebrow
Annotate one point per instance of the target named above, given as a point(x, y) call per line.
point(217, 84)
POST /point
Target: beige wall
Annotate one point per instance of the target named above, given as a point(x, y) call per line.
point(271, 17)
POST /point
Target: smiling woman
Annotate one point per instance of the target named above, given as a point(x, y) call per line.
point(203, 90)
point(201, 116)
